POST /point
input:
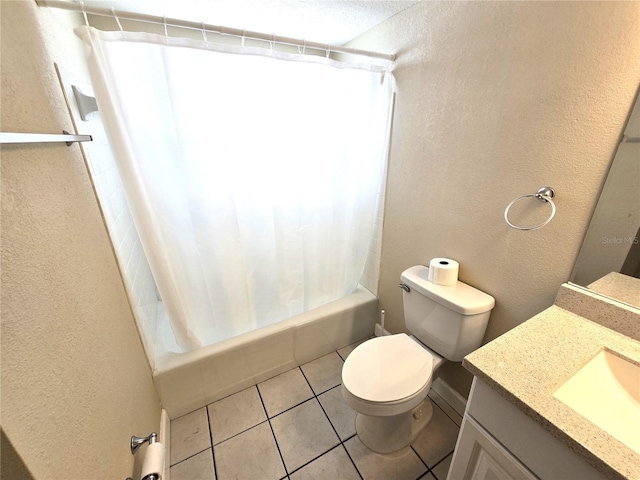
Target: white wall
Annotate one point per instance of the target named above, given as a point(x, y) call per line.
point(497, 99)
point(75, 381)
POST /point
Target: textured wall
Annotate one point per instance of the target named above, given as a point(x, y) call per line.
point(494, 101)
point(75, 381)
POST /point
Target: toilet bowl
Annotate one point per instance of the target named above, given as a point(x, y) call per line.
point(386, 381)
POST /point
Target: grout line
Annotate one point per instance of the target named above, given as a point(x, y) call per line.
point(316, 458)
point(325, 413)
point(284, 465)
point(213, 453)
point(443, 411)
point(443, 459)
point(350, 458)
point(291, 408)
point(327, 390)
point(329, 420)
point(215, 401)
point(448, 416)
point(232, 394)
point(349, 438)
point(420, 458)
point(185, 459)
point(308, 383)
point(239, 433)
point(322, 408)
point(435, 404)
point(341, 441)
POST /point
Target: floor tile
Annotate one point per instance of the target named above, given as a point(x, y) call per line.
point(198, 467)
point(401, 465)
point(341, 415)
point(189, 435)
point(284, 391)
point(235, 414)
point(438, 439)
point(344, 352)
point(251, 455)
point(303, 433)
point(324, 372)
point(441, 470)
point(446, 408)
point(305, 439)
point(332, 465)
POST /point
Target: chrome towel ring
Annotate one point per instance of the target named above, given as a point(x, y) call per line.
point(545, 194)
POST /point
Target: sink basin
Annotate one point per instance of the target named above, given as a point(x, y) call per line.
point(606, 391)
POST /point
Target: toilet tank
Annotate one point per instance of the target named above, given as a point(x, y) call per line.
point(450, 320)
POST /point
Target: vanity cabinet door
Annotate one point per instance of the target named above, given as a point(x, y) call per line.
point(478, 456)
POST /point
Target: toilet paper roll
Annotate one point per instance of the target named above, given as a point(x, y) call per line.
point(153, 462)
point(443, 271)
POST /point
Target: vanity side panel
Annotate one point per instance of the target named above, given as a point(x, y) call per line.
point(546, 456)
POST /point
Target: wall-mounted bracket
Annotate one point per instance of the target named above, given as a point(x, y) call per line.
point(86, 104)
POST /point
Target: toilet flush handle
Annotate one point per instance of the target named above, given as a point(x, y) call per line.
point(405, 287)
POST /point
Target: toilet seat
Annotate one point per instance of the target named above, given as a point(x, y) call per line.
point(387, 370)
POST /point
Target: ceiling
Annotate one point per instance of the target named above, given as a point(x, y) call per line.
point(325, 21)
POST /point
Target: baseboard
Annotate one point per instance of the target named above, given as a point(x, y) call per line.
point(165, 439)
point(449, 395)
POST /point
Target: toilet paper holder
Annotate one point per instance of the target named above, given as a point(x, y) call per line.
point(136, 442)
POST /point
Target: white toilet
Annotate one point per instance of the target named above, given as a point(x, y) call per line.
point(386, 379)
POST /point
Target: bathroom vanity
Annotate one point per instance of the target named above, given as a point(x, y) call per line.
point(518, 425)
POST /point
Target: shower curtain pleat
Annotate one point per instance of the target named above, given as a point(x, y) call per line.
point(252, 179)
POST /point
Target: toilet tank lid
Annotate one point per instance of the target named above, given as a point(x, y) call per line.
point(461, 298)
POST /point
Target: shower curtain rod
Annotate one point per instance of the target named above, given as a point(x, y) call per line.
point(174, 22)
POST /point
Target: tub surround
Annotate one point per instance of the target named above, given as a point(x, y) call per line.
point(529, 363)
point(188, 381)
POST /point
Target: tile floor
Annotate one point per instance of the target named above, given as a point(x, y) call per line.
point(297, 426)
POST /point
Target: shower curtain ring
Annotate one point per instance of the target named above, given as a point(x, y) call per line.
point(113, 12)
point(164, 20)
point(84, 14)
point(204, 33)
point(328, 50)
point(244, 31)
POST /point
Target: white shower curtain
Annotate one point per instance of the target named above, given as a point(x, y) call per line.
point(252, 179)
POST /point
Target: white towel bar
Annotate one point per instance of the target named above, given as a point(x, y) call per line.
point(68, 138)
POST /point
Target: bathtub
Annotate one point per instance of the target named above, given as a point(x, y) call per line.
point(188, 381)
